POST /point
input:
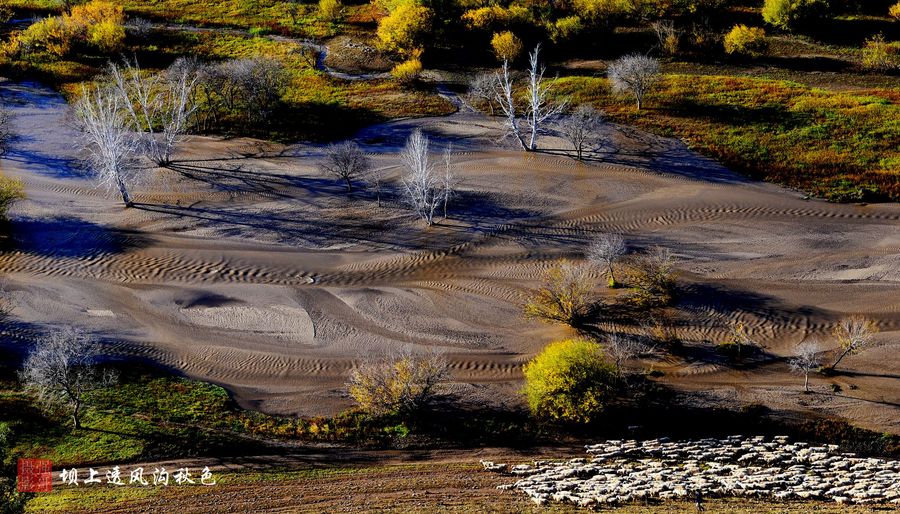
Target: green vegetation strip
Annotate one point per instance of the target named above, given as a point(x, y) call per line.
point(844, 146)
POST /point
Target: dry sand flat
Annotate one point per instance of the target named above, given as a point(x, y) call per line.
point(245, 267)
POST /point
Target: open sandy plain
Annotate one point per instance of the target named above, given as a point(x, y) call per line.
point(244, 266)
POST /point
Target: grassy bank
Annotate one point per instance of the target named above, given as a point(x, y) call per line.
point(316, 106)
point(844, 146)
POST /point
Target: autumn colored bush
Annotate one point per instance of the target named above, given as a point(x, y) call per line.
point(564, 297)
point(407, 71)
point(98, 24)
point(403, 30)
point(398, 383)
point(744, 40)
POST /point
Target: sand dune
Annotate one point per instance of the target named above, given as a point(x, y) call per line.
point(244, 266)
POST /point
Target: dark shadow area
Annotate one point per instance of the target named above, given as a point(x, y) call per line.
point(812, 63)
point(22, 151)
point(192, 299)
point(69, 238)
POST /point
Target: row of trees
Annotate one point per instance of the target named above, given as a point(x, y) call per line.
point(131, 114)
point(633, 75)
point(427, 183)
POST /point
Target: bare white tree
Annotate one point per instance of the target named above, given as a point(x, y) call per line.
point(346, 161)
point(159, 106)
point(111, 146)
point(6, 130)
point(420, 180)
point(605, 251)
point(178, 105)
point(503, 93)
point(62, 369)
point(634, 74)
point(580, 128)
point(854, 334)
point(807, 360)
point(448, 179)
point(540, 107)
point(623, 348)
point(482, 88)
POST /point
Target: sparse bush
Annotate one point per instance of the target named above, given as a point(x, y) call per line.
point(666, 36)
point(879, 55)
point(581, 128)
point(634, 74)
point(651, 277)
point(794, 14)
point(854, 334)
point(569, 381)
point(606, 251)
point(346, 161)
point(482, 90)
point(399, 383)
point(739, 342)
point(806, 361)
point(744, 40)
point(407, 71)
point(62, 370)
point(565, 296)
point(506, 45)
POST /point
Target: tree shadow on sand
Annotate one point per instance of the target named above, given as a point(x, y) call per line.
point(68, 237)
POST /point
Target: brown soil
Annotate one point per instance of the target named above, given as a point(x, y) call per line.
point(427, 482)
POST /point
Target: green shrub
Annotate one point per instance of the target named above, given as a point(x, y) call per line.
point(793, 14)
point(744, 40)
point(570, 381)
point(564, 297)
point(879, 55)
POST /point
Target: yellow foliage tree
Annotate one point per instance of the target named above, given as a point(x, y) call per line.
point(107, 35)
point(507, 46)
point(98, 23)
point(894, 11)
point(603, 10)
point(745, 40)
point(402, 31)
point(407, 71)
point(570, 381)
point(485, 17)
point(330, 9)
point(98, 11)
